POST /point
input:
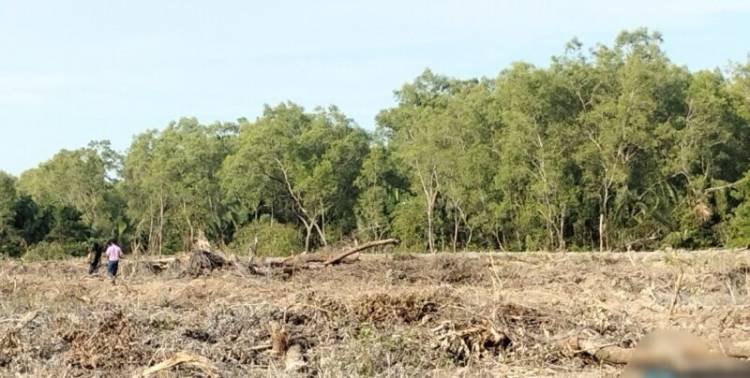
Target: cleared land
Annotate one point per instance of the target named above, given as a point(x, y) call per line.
point(525, 314)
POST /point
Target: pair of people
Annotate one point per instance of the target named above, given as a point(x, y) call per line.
point(113, 252)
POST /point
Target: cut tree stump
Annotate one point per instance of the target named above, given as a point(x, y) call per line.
point(202, 262)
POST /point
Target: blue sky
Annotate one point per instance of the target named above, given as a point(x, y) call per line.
point(72, 71)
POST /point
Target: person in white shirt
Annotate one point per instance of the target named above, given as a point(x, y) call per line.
point(114, 253)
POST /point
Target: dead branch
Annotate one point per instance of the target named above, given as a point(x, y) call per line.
point(360, 248)
point(324, 259)
point(28, 318)
point(675, 297)
point(182, 358)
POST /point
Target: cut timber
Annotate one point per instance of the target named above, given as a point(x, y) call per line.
point(182, 358)
point(361, 248)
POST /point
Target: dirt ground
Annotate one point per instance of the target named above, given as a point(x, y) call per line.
point(384, 315)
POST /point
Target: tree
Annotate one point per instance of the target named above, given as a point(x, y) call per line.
point(9, 239)
point(82, 179)
point(381, 188)
point(624, 113)
point(537, 149)
point(614, 147)
point(739, 223)
point(421, 130)
point(298, 166)
point(7, 199)
point(171, 184)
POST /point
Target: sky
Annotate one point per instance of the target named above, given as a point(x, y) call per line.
point(72, 71)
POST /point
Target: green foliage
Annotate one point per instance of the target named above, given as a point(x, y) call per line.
point(612, 148)
point(273, 238)
point(170, 184)
point(299, 168)
point(10, 241)
point(54, 251)
point(409, 224)
point(739, 226)
point(79, 179)
point(381, 187)
point(31, 222)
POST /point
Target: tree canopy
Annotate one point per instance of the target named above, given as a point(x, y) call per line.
point(614, 147)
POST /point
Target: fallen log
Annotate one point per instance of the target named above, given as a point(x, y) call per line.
point(325, 259)
point(204, 262)
point(360, 248)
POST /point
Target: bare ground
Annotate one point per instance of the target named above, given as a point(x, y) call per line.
point(401, 315)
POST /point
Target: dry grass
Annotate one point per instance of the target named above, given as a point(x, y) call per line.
point(445, 315)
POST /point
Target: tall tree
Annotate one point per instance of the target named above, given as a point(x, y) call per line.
point(81, 179)
point(305, 163)
point(171, 184)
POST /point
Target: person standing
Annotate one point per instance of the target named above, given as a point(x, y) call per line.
point(114, 253)
point(95, 256)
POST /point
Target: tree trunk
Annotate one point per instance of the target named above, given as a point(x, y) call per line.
point(430, 235)
point(191, 236)
point(151, 236)
point(561, 235)
point(603, 220)
point(455, 232)
point(601, 232)
point(161, 221)
point(320, 233)
point(308, 230)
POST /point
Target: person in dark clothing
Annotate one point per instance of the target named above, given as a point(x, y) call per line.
point(95, 256)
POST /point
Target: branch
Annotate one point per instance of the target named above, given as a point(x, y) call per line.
point(289, 187)
point(360, 248)
point(182, 358)
point(727, 186)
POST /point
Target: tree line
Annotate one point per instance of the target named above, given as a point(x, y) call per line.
point(606, 148)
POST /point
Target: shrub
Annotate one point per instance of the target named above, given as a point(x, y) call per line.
point(409, 224)
point(54, 251)
point(739, 225)
point(274, 239)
